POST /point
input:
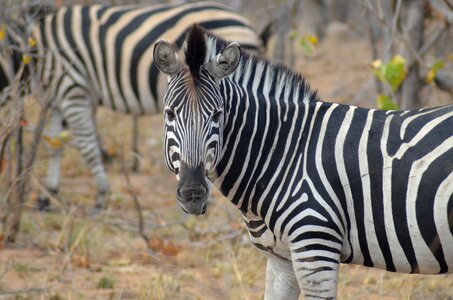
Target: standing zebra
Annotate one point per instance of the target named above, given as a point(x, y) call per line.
point(318, 183)
point(92, 56)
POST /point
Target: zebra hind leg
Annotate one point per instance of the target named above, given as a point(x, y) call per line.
point(52, 181)
point(78, 112)
point(281, 282)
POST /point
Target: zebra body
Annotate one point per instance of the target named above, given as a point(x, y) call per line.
point(107, 50)
point(91, 56)
point(318, 183)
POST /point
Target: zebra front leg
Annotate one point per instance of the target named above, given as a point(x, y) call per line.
point(281, 282)
point(78, 113)
point(316, 267)
point(52, 181)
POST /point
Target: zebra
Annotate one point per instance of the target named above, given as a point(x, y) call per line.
point(96, 55)
point(317, 183)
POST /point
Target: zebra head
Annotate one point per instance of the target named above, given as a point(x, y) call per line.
point(194, 114)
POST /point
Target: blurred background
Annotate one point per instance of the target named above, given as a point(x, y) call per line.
point(384, 54)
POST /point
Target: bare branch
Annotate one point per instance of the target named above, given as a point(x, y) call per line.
point(398, 34)
point(395, 18)
point(445, 7)
point(9, 263)
point(134, 196)
point(17, 198)
point(432, 39)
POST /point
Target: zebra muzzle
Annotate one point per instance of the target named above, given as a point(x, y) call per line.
point(193, 191)
point(193, 199)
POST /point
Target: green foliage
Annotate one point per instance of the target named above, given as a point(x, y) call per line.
point(392, 73)
point(106, 282)
point(385, 102)
point(307, 42)
point(20, 267)
point(433, 71)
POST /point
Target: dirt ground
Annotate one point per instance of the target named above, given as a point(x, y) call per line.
point(70, 253)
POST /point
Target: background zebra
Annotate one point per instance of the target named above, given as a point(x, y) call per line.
point(102, 56)
point(317, 183)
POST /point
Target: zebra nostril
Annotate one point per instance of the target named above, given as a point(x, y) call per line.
point(192, 193)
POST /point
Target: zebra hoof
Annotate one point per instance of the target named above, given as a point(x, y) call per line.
point(101, 201)
point(43, 204)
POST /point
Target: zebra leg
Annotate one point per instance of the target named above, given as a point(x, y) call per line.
point(78, 113)
point(281, 282)
point(52, 182)
point(316, 271)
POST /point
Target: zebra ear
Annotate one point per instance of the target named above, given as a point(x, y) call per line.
point(226, 62)
point(165, 58)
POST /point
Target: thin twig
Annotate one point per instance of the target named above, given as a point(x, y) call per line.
point(24, 291)
point(395, 17)
point(15, 202)
point(9, 263)
point(398, 34)
point(134, 196)
point(238, 275)
point(49, 195)
point(432, 39)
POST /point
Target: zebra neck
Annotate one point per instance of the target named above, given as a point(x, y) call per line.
point(266, 108)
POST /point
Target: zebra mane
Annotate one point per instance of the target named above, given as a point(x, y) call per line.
point(203, 46)
point(195, 50)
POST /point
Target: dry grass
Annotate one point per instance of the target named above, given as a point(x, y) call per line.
point(71, 254)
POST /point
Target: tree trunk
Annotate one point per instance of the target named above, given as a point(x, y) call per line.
point(20, 188)
point(283, 18)
point(15, 199)
point(413, 20)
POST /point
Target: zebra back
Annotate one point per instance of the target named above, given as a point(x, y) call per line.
point(108, 49)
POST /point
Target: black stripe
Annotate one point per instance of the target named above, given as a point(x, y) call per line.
point(85, 23)
point(375, 165)
point(67, 27)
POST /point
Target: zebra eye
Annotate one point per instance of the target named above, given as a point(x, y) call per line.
point(216, 116)
point(171, 116)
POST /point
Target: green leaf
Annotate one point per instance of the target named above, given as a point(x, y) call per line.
point(105, 283)
point(396, 72)
point(384, 102)
point(433, 71)
point(308, 43)
point(393, 73)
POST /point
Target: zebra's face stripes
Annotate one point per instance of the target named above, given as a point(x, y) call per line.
point(193, 117)
point(194, 120)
